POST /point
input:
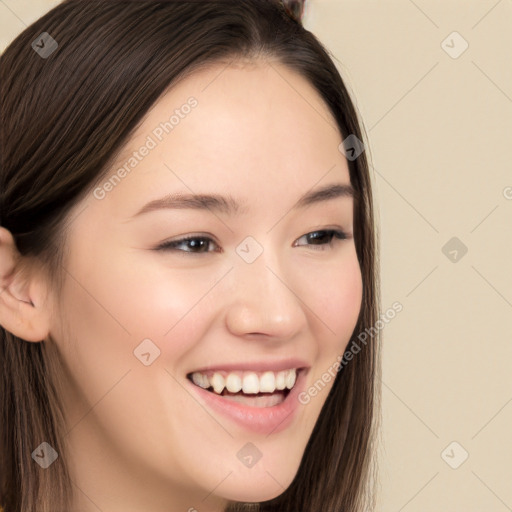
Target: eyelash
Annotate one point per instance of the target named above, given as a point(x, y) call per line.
point(332, 233)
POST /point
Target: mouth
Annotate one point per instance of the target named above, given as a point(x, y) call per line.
point(259, 389)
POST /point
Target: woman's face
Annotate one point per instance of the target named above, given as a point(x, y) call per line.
point(260, 289)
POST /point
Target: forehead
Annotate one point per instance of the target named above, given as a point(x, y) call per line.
point(250, 126)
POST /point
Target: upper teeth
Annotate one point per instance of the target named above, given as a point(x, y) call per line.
point(248, 382)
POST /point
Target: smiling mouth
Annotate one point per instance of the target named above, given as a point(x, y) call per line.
point(256, 389)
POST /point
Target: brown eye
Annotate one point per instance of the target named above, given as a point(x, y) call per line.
point(324, 237)
point(193, 244)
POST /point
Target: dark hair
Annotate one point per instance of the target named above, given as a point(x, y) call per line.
point(65, 118)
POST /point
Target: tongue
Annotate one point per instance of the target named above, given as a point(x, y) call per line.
point(259, 400)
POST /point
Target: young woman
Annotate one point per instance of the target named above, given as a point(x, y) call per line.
point(187, 258)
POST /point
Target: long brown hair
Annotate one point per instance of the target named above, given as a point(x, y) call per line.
point(65, 118)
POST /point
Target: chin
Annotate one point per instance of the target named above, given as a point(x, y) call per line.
point(266, 486)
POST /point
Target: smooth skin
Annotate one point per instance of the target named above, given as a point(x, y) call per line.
point(138, 438)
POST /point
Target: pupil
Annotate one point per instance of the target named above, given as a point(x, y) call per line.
point(319, 235)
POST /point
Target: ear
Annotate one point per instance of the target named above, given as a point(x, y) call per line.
point(23, 306)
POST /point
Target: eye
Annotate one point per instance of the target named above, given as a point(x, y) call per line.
point(193, 244)
point(324, 237)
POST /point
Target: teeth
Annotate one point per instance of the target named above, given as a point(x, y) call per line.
point(281, 380)
point(218, 383)
point(290, 379)
point(268, 382)
point(200, 380)
point(248, 382)
point(233, 383)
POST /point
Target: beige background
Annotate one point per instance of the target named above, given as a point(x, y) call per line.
point(440, 132)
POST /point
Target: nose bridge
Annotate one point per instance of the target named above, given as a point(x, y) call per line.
point(263, 300)
point(259, 277)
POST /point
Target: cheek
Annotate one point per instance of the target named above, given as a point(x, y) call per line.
point(108, 309)
point(171, 307)
point(334, 295)
point(105, 320)
point(162, 299)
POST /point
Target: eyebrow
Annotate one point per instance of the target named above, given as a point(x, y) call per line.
point(229, 206)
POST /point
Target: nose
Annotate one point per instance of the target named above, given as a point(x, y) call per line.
point(264, 300)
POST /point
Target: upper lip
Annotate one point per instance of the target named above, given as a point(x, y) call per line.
point(258, 366)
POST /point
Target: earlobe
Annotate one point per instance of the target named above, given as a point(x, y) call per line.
point(22, 310)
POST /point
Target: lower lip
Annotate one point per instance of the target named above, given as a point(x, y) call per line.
point(262, 420)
